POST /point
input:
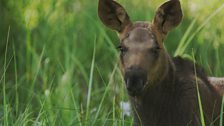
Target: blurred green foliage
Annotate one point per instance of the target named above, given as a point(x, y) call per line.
point(46, 75)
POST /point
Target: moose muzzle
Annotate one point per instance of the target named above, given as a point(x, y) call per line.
point(135, 79)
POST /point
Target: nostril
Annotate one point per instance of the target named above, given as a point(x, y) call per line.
point(134, 83)
point(141, 83)
point(128, 85)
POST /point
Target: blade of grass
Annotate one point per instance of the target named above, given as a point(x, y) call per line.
point(77, 110)
point(198, 93)
point(4, 82)
point(104, 95)
point(23, 119)
point(114, 118)
point(90, 82)
point(81, 67)
point(221, 113)
point(43, 103)
point(183, 40)
point(101, 30)
point(35, 77)
point(183, 47)
point(6, 67)
point(218, 64)
point(16, 80)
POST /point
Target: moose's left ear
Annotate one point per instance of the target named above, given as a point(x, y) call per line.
point(113, 15)
point(168, 16)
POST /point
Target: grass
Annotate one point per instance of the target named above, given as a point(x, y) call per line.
point(202, 119)
point(59, 64)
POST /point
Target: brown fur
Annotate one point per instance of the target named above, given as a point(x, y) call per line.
point(169, 97)
point(174, 101)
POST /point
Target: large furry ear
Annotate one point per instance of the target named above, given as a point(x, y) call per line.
point(168, 16)
point(113, 15)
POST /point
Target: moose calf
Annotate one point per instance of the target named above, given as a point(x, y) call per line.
point(162, 90)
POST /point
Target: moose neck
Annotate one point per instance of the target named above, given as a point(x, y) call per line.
point(164, 75)
point(158, 98)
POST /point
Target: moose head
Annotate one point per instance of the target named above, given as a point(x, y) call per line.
point(144, 61)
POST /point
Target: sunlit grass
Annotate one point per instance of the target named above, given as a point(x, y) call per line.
point(61, 68)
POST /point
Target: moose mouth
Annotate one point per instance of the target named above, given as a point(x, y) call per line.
point(134, 88)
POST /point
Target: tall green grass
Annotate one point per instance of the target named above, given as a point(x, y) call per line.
point(59, 64)
point(202, 118)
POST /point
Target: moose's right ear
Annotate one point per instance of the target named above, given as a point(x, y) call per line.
point(113, 15)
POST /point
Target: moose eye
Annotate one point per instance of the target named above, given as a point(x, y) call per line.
point(155, 50)
point(122, 49)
